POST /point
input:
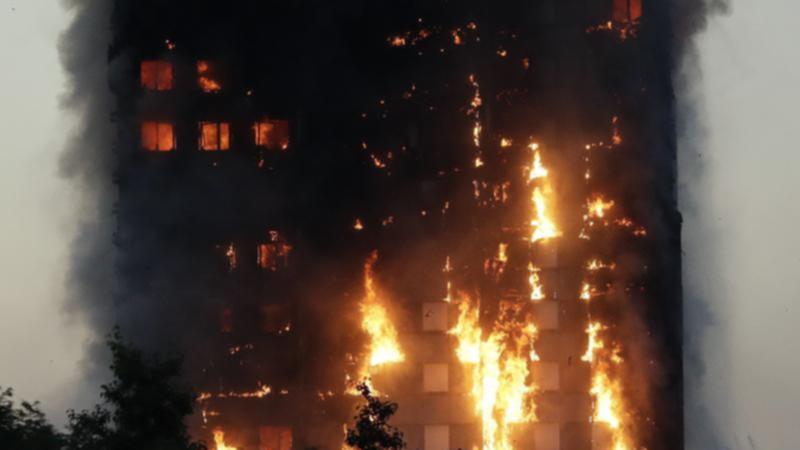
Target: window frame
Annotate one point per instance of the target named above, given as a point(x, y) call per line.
point(222, 136)
point(157, 67)
point(159, 126)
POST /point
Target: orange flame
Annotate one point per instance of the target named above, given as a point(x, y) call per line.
point(383, 347)
point(499, 367)
point(219, 440)
point(542, 226)
point(537, 169)
point(537, 291)
point(597, 206)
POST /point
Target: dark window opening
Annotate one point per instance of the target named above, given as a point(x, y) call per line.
point(226, 320)
point(275, 438)
point(275, 319)
point(273, 254)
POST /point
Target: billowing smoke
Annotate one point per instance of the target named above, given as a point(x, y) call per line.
point(706, 407)
point(89, 164)
point(155, 253)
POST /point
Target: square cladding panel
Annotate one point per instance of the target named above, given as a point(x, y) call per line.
point(437, 437)
point(547, 436)
point(275, 438)
point(435, 378)
point(434, 316)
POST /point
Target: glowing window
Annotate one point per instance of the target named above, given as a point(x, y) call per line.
point(156, 75)
point(275, 438)
point(627, 10)
point(273, 254)
point(158, 137)
point(206, 79)
point(215, 136)
point(272, 134)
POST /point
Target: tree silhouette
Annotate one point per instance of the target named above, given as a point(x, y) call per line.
point(25, 427)
point(144, 407)
point(372, 431)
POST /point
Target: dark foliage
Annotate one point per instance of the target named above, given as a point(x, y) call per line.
point(372, 431)
point(144, 407)
point(25, 427)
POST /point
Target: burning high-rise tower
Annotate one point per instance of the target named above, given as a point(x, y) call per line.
point(470, 203)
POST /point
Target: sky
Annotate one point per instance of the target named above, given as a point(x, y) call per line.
point(40, 346)
point(741, 212)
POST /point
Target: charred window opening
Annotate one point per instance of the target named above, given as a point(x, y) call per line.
point(627, 10)
point(275, 438)
point(158, 136)
point(273, 254)
point(272, 134)
point(215, 136)
point(156, 75)
point(207, 78)
point(275, 319)
point(226, 320)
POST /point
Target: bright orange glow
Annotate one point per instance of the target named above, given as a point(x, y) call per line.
point(204, 79)
point(595, 265)
point(594, 343)
point(606, 391)
point(542, 227)
point(384, 347)
point(505, 142)
point(158, 137)
point(586, 291)
point(214, 136)
point(537, 170)
point(537, 291)
point(156, 75)
point(358, 226)
point(219, 440)
point(498, 365)
point(272, 134)
point(597, 207)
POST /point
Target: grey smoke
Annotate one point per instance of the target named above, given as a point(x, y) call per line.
point(88, 163)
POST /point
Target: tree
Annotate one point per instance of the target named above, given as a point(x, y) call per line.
point(144, 407)
point(25, 427)
point(372, 431)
